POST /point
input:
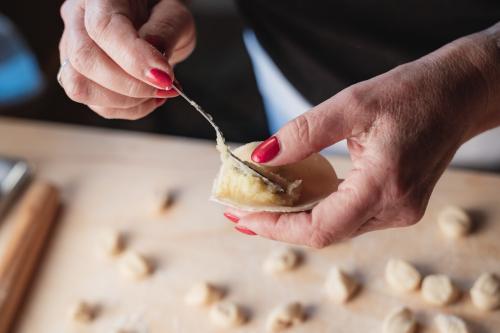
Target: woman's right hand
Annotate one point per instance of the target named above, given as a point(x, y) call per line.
point(118, 54)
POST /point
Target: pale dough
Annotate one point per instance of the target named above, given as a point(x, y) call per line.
point(485, 293)
point(83, 312)
point(400, 320)
point(203, 293)
point(285, 317)
point(402, 276)
point(340, 286)
point(282, 260)
point(439, 290)
point(111, 242)
point(135, 265)
point(454, 222)
point(227, 314)
point(450, 324)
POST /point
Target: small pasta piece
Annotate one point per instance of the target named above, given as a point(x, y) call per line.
point(439, 290)
point(485, 293)
point(83, 312)
point(135, 265)
point(400, 320)
point(339, 286)
point(454, 222)
point(227, 314)
point(402, 276)
point(285, 317)
point(450, 324)
point(202, 294)
point(282, 260)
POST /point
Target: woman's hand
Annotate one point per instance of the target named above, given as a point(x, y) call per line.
point(118, 54)
point(402, 130)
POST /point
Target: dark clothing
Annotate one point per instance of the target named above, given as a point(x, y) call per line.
point(323, 46)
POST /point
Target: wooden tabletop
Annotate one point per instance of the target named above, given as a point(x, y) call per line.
point(112, 179)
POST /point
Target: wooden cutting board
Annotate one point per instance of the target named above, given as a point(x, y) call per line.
point(112, 179)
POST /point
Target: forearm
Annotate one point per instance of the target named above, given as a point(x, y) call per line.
point(469, 70)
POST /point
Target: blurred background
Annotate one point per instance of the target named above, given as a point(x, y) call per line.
point(218, 75)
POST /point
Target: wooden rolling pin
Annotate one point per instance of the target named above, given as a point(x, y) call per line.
point(28, 225)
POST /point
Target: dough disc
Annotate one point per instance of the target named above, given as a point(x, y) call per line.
point(318, 181)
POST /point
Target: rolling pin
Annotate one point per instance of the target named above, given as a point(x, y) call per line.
point(30, 223)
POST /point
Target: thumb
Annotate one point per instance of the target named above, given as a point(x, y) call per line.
point(324, 125)
point(170, 29)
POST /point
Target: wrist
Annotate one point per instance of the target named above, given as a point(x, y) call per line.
point(468, 72)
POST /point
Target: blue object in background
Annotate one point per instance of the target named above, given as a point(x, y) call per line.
point(20, 76)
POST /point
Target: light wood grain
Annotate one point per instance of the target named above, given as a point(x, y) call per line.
point(25, 231)
point(111, 179)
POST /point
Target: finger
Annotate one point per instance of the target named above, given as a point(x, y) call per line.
point(170, 29)
point(134, 113)
point(82, 90)
point(324, 125)
point(109, 24)
point(89, 60)
point(334, 219)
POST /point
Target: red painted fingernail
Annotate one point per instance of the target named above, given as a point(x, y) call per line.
point(161, 78)
point(245, 231)
point(232, 217)
point(266, 151)
point(166, 93)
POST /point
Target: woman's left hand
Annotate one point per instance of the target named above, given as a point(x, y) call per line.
point(402, 129)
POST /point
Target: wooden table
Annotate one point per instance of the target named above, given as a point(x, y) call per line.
point(111, 179)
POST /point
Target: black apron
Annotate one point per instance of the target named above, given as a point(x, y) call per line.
point(323, 46)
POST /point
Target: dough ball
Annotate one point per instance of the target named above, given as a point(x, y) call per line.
point(227, 314)
point(203, 293)
point(485, 292)
point(135, 265)
point(83, 312)
point(111, 242)
point(400, 320)
point(402, 276)
point(454, 222)
point(282, 260)
point(285, 317)
point(340, 286)
point(439, 290)
point(450, 324)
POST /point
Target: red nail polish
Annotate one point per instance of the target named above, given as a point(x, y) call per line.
point(232, 217)
point(166, 93)
point(245, 231)
point(161, 78)
point(266, 151)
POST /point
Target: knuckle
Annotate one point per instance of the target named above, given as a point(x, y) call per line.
point(318, 240)
point(81, 56)
point(63, 11)
point(301, 129)
point(135, 88)
point(106, 113)
point(77, 88)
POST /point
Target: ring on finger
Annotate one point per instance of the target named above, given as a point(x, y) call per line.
point(59, 72)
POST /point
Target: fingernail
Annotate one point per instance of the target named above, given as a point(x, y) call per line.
point(166, 93)
point(266, 151)
point(232, 217)
point(161, 78)
point(245, 231)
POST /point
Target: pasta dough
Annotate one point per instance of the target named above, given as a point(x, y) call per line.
point(450, 324)
point(339, 286)
point(282, 260)
point(203, 293)
point(400, 320)
point(402, 276)
point(285, 317)
point(454, 222)
point(439, 290)
point(227, 314)
point(485, 292)
point(135, 265)
point(305, 183)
